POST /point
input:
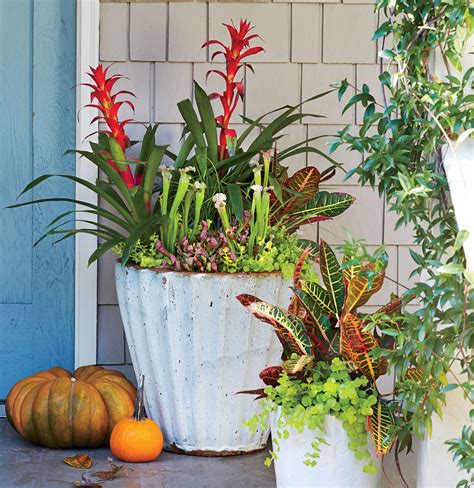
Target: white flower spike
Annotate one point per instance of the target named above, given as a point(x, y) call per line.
point(219, 200)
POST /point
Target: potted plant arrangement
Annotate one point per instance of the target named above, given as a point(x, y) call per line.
point(325, 393)
point(220, 220)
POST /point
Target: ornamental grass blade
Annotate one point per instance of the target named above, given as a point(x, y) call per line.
point(148, 142)
point(381, 424)
point(139, 231)
point(357, 345)
point(208, 121)
point(236, 201)
point(290, 328)
point(154, 158)
point(361, 288)
point(332, 276)
point(189, 115)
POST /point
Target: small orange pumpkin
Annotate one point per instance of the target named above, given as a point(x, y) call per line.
point(137, 439)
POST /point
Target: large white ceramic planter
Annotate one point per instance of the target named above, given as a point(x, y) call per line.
point(336, 467)
point(197, 346)
point(435, 465)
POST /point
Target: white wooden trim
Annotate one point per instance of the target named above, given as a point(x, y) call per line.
point(87, 52)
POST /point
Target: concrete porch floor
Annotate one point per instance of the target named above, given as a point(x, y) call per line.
point(25, 465)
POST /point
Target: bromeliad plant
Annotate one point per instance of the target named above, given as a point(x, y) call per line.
point(234, 90)
point(330, 353)
point(217, 206)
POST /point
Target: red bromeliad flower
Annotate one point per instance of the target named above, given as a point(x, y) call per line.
point(233, 54)
point(108, 105)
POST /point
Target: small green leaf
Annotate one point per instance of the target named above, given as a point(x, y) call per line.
point(236, 201)
point(451, 268)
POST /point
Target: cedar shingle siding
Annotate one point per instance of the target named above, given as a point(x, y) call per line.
point(308, 45)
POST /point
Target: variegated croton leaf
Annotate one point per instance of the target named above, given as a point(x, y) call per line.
point(271, 374)
point(395, 304)
point(300, 188)
point(322, 206)
point(361, 287)
point(295, 365)
point(381, 424)
point(290, 327)
point(316, 318)
point(321, 349)
point(260, 392)
point(349, 271)
point(357, 345)
point(319, 297)
point(294, 306)
point(415, 374)
point(332, 276)
point(313, 246)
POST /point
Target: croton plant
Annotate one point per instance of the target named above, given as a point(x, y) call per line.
point(331, 360)
point(212, 206)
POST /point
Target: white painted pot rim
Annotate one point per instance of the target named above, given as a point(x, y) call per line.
point(193, 273)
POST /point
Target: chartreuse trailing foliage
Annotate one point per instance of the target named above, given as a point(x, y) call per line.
point(329, 390)
point(331, 352)
point(223, 203)
point(424, 107)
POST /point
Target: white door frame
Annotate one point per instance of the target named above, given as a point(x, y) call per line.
point(87, 52)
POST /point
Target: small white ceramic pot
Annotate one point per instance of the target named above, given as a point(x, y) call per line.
point(336, 467)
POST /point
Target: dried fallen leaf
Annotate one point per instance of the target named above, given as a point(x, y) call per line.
point(80, 461)
point(86, 483)
point(115, 471)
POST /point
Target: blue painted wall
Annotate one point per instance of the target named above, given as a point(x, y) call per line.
point(37, 124)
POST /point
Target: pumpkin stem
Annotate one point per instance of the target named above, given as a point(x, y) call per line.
point(138, 413)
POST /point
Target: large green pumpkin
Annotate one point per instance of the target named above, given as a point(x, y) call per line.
point(56, 409)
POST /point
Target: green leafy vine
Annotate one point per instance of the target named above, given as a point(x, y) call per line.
point(425, 107)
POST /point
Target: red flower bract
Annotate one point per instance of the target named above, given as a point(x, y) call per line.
point(108, 106)
point(233, 54)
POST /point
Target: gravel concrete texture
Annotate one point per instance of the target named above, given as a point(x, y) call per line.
point(25, 465)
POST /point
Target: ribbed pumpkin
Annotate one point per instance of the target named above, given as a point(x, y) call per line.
point(56, 409)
